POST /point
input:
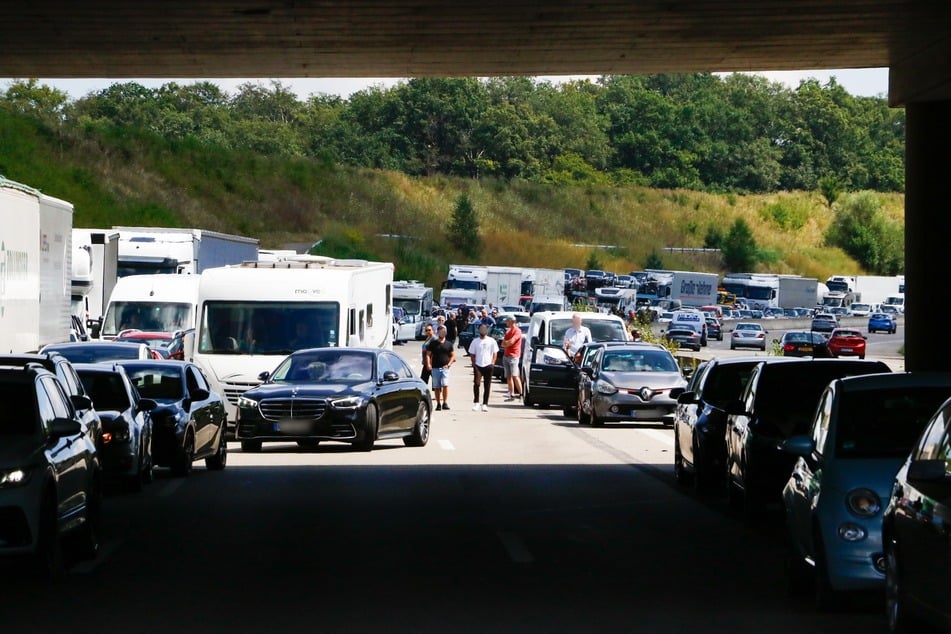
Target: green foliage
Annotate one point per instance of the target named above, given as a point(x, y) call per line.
point(714, 237)
point(464, 228)
point(346, 244)
point(739, 248)
point(594, 262)
point(653, 261)
point(830, 188)
point(787, 214)
point(861, 229)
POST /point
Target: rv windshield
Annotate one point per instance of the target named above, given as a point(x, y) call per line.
point(276, 328)
point(151, 316)
point(759, 292)
point(469, 285)
point(409, 306)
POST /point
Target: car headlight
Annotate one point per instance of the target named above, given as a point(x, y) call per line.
point(348, 402)
point(247, 403)
point(863, 503)
point(603, 387)
point(14, 478)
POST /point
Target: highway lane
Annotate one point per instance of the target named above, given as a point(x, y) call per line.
point(512, 520)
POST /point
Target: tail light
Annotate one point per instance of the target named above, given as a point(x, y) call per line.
point(789, 347)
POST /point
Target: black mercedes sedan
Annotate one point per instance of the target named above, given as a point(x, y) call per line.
point(351, 395)
point(189, 422)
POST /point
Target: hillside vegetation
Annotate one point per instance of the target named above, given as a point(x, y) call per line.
point(127, 175)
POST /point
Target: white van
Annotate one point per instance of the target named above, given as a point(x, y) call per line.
point(692, 319)
point(156, 303)
point(252, 315)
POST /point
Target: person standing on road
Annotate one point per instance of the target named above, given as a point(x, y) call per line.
point(486, 319)
point(576, 336)
point(451, 331)
point(483, 352)
point(512, 354)
point(440, 355)
point(427, 337)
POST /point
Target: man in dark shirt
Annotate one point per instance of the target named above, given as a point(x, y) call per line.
point(440, 355)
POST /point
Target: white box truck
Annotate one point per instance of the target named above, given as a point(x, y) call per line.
point(35, 268)
point(155, 303)
point(694, 288)
point(95, 267)
point(465, 284)
point(151, 250)
point(503, 286)
point(252, 315)
point(798, 292)
point(416, 300)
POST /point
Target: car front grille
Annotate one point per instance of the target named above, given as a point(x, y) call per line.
point(278, 409)
point(234, 390)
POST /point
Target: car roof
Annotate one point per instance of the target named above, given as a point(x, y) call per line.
point(637, 346)
point(47, 360)
point(150, 362)
point(106, 367)
point(886, 380)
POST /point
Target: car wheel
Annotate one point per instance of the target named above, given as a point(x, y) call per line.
point(308, 443)
point(527, 400)
point(369, 431)
point(680, 471)
point(219, 460)
point(567, 411)
point(420, 435)
point(825, 596)
point(182, 464)
point(250, 446)
point(596, 421)
point(583, 418)
point(136, 482)
point(87, 539)
point(896, 606)
point(48, 560)
point(702, 478)
point(732, 347)
point(871, 332)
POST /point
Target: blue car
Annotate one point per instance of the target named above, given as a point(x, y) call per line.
point(882, 322)
point(863, 429)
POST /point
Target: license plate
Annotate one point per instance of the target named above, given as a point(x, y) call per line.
point(807, 349)
point(846, 349)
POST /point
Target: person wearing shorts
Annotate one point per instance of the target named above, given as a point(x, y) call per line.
point(512, 354)
point(440, 355)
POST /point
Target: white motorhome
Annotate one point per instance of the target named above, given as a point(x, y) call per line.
point(151, 250)
point(35, 268)
point(157, 303)
point(252, 315)
point(416, 300)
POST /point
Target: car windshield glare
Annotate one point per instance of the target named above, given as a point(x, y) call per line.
point(93, 353)
point(18, 414)
point(326, 366)
point(638, 361)
point(798, 337)
point(159, 384)
point(884, 423)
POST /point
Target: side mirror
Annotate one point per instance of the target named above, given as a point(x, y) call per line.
point(390, 375)
point(798, 446)
point(677, 392)
point(927, 470)
point(264, 376)
point(80, 402)
point(736, 408)
point(199, 394)
point(589, 371)
point(147, 405)
point(62, 427)
point(534, 341)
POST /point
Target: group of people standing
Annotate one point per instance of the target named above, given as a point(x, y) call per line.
point(439, 355)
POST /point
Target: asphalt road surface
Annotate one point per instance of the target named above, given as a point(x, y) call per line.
point(512, 520)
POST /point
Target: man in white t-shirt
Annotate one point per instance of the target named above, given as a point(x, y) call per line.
point(576, 336)
point(482, 351)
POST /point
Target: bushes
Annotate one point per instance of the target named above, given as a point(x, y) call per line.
point(861, 229)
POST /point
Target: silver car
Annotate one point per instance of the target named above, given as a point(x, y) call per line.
point(629, 382)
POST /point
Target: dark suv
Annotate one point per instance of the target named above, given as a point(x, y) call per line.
point(50, 484)
point(779, 401)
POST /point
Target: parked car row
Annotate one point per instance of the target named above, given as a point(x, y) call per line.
point(859, 458)
point(78, 416)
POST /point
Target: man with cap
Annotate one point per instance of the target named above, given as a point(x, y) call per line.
point(511, 355)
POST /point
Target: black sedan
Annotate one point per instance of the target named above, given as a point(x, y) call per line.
point(700, 419)
point(352, 395)
point(915, 536)
point(804, 343)
point(189, 422)
point(714, 329)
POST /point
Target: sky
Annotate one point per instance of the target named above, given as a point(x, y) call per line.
point(872, 82)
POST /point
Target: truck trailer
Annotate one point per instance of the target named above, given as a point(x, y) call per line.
point(798, 292)
point(154, 250)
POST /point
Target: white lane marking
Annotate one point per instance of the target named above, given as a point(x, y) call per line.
point(515, 547)
point(88, 567)
point(659, 436)
point(171, 487)
point(448, 446)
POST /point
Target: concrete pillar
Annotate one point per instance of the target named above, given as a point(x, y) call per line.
point(927, 234)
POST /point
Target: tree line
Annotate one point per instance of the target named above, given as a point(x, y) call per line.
point(736, 133)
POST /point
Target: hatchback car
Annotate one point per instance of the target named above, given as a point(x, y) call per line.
point(847, 342)
point(126, 425)
point(351, 395)
point(748, 335)
point(804, 343)
point(189, 422)
point(714, 329)
point(630, 382)
point(50, 480)
point(778, 402)
point(915, 532)
point(684, 336)
point(882, 322)
point(824, 323)
point(863, 428)
point(700, 421)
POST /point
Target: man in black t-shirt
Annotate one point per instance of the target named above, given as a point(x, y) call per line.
point(440, 355)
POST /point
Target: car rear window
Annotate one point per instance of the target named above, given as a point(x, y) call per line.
point(18, 414)
point(106, 390)
point(884, 423)
point(726, 382)
point(601, 329)
point(799, 337)
point(638, 361)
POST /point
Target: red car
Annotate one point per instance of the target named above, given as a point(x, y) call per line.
point(847, 342)
point(164, 345)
